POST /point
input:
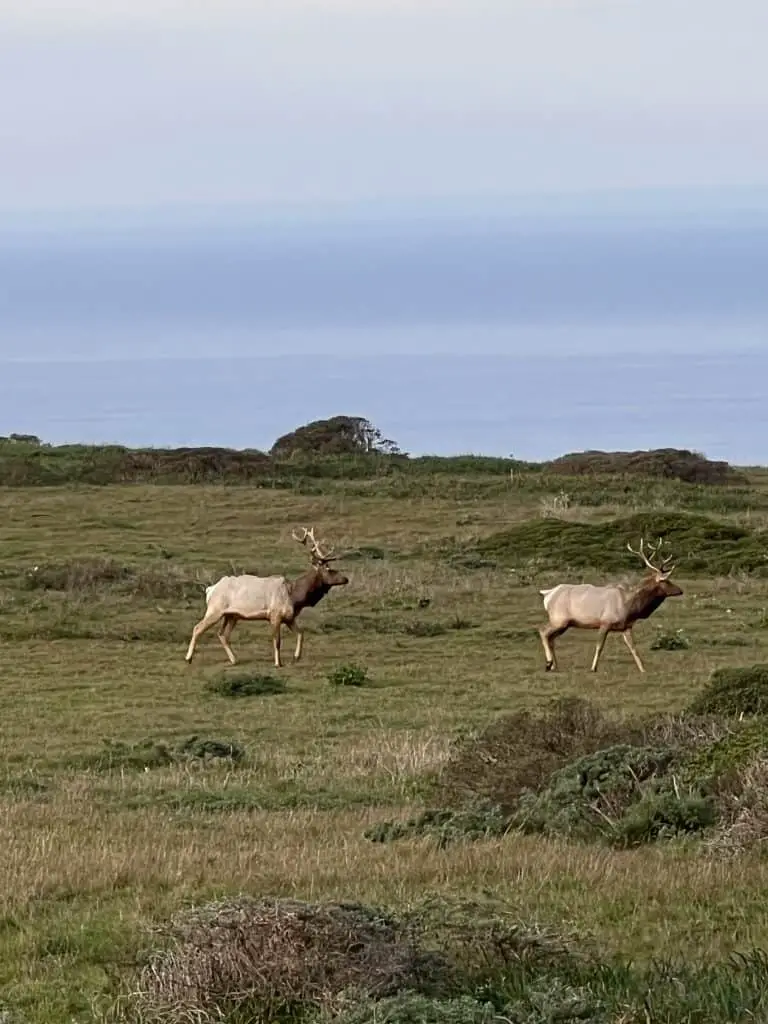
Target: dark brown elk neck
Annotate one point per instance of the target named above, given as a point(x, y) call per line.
point(644, 600)
point(307, 590)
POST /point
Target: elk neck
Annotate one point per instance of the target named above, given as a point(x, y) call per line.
point(307, 590)
point(645, 599)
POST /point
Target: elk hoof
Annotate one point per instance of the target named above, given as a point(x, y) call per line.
point(549, 666)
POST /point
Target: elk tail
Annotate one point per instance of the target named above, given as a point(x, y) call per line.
point(547, 595)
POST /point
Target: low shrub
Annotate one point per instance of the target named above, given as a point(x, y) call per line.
point(200, 749)
point(245, 684)
point(424, 627)
point(676, 641)
point(147, 754)
point(574, 771)
point(744, 820)
point(348, 675)
point(714, 765)
point(520, 752)
point(670, 463)
point(265, 959)
point(734, 691)
point(621, 794)
point(444, 826)
point(664, 814)
point(701, 545)
point(453, 961)
point(458, 622)
point(412, 1008)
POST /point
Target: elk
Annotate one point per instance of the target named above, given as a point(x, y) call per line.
point(272, 598)
point(608, 609)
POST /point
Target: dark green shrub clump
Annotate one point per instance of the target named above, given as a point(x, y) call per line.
point(201, 749)
point(676, 641)
point(669, 463)
point(147, 754)
point(412, 1008)
point(734, 691)
point(574, 771)
point(424, 627)
point(701, 545)
point(348, 675)
point(445, 826)
point(714, 765)
point(622, 794)
point(519, 752)
point(245, 684)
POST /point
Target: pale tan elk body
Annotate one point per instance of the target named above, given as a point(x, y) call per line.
point(275, 599)
point(608, 609)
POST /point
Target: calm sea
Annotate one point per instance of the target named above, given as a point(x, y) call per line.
point(491, 336)
point(532, 407)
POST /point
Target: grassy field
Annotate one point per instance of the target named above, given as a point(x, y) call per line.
point(105, 833)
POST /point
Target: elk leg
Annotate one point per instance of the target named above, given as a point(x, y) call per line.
point(276, 642)
point(548, 636)
point(294, 627)
point(599, 648)
point(627, 634)
point(205, 623)
point(228, 624)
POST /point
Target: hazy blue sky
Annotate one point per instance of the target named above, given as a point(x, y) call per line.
point(254, 177)
point(134, 104)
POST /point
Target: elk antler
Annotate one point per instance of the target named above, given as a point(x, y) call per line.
point(664, 569)
point(316, 551)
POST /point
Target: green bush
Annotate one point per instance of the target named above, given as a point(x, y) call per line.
point(444, 826)
point(734, 691)
point(664, 815)
point(715, 764)
point(701, 545)
point(245, 684)
point(412, 1008)
point(676, 641)
point(348, 675)
point(198, 748)
point(147, 754)
point(423, 627)
point(670, 463)
point(520, 751)
point(590, 796)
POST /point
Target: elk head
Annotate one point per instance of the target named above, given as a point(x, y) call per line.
point(659, 573)
point(321, 560)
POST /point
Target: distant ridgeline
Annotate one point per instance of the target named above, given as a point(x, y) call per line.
point(341, 448)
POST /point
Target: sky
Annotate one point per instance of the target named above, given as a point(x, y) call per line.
point(239, 177)
point(138, 108)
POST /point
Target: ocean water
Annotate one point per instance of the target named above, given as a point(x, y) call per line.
point(534, 407)
point(490, 334)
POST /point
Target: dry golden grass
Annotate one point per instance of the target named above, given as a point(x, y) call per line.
point(92, 855)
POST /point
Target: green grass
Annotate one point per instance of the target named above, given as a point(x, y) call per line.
point(110, 824)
